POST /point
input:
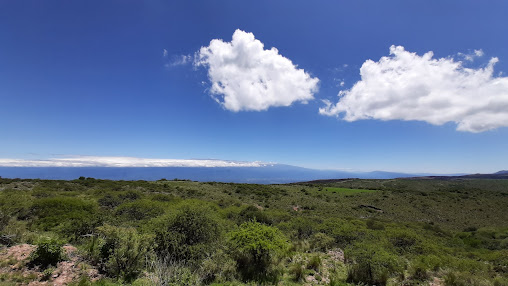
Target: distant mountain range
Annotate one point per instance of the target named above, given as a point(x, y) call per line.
point(267, 174)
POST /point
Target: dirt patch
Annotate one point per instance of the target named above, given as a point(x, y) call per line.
point(14, 262)
point(437, 282)
point(336, 254)
point(18, 252)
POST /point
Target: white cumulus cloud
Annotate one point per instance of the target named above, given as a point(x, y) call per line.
point(95, 161)
point(245, 76)
point(406, 86)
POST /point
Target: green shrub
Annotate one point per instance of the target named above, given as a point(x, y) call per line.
point(314, 263)
point(464, 279)
point(375, 224)
point(4, 220)
point(405, 241)
point(189, 235)
point(109, 201)
point(123, 251)
point(72, 217)
point(48, 252)
point(372, 264)
point(218, 267)
point(252, 213)
point(345, 232)
point(173, 273)
point(321, 241)
point(256, 248)
point(138, 210)
point(304, 227)
point(297, 271)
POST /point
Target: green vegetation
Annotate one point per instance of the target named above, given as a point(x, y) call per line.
point(345, 191)
point(347, 232)
point(48, 252)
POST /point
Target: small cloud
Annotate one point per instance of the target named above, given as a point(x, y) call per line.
point(165, 53)
point(406, 86)
point(471, 56)
point(341, 83)
point(181, 60)
point(245, 76)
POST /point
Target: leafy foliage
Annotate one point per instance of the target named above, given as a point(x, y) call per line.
point(187, 236)
point(372, 265)
point(256, 248)
point(48, 252)
point(399, 231)
point(123, 251)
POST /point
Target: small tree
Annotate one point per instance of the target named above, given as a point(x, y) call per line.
point(256, 248)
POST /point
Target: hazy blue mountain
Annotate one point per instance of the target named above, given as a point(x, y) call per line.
point(277, 173)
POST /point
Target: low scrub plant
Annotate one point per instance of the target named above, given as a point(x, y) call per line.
point(123, 251)
point(48, 252)
point(257, 249)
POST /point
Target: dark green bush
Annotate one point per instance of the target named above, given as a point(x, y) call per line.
point(256, 248)
point(321, 242)
point(405, 241)
point(139, 210)
point(109, 201)
point(4, 220)
point(297, 271)
point(72, 217)
point(375, 224)
point(345, 232)
point(252, 213)
point(189, 235)
point(48, 252)
point(314, 263)
point(122, 251)
point(371, 264)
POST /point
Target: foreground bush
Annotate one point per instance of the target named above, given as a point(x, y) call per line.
point(48, 252)
point(257, 248)
point(372, 265)
point(123, 251)
point(188, 236)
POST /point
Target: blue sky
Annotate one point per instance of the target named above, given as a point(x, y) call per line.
point(106, 78)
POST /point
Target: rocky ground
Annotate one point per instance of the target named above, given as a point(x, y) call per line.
point(14, 267)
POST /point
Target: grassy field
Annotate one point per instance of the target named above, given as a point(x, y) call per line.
point(348, 232)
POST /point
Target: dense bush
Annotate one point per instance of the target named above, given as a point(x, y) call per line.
point(256, 248)
point(297, 271)
point(72, 217)
point(48, 252)
point(4, 220)
point(123, 251)
point(405, 241)
point(188, 236)
point(371, 264)
point(345, 232)
point(321, 241)
point(139, 210)
point(252, 213)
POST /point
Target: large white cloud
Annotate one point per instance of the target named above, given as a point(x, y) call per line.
point(406, 86)
point(95, 161)
point(245, 76)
